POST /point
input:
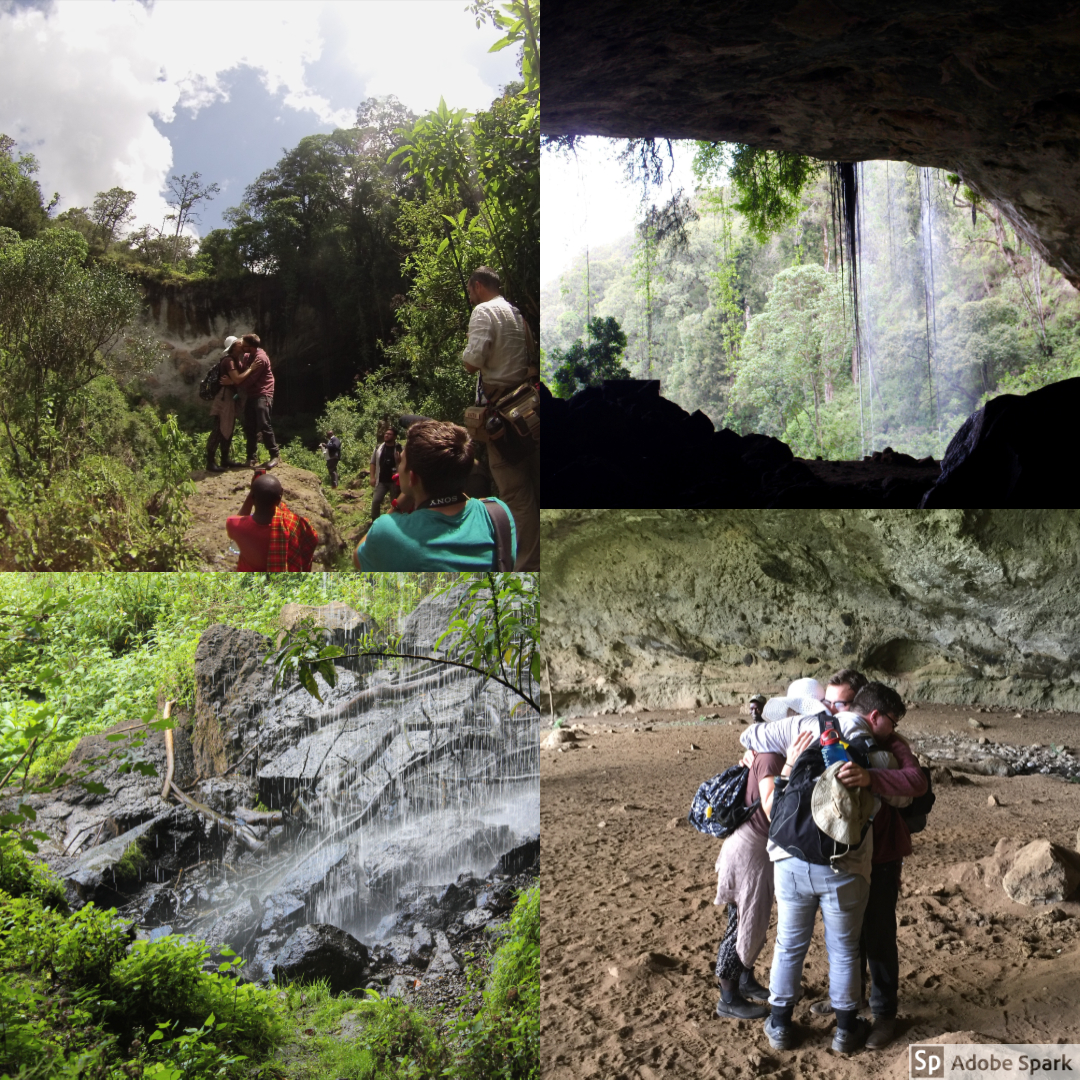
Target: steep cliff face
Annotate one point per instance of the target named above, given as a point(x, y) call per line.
point(659, 608)
point(192, 322)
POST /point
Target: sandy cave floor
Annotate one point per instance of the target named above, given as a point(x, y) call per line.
point(630, 931)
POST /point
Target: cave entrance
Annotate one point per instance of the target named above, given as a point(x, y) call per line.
point(985, 93)
point(748, 313)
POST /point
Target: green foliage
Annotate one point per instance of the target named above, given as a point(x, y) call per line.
point(480, 206)
point(503, 1039)
point(61, 326)
point(946, 326)
point(176, 1018)
point(492, 631)
point(770, 183)
point(588, 365)
point(795, 352)
point(21, 206)
point(22, 876)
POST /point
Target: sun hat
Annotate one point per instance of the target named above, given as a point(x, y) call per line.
point(229, 343)
point(838, 811)
point(805, 696)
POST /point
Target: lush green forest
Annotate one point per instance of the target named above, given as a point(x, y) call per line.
point(743, 308)
point(80, 653)
point(370, 231)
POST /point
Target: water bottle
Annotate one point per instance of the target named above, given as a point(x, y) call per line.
point(831, 748)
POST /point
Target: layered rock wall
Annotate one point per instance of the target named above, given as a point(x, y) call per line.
point(681, 608)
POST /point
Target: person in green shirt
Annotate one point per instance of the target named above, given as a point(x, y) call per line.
point(434, 525)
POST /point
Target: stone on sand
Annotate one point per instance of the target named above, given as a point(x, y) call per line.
point(1043, 873)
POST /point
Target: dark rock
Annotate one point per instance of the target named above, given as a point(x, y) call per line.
point(1003, 454)
point(454, 898)
point(236, 929)
point(519, 858)
point(322, 951)
point(399, 949)
point(443, 962)
point(498, 899)
point(477, 918)
point(421, 948)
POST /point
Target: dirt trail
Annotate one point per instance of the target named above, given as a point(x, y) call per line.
point(630, 930)
point(219, 495)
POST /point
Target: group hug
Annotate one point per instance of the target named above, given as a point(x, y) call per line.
point(818, 815)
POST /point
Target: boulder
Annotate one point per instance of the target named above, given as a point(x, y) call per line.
point(443, 962)
point(1043, 873)
point(454, 898)
point(519, 858)
point(322, 951)
point(1007, 453)
point(421, 948)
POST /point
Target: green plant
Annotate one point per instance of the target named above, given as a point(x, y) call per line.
point(22, 876)
point(503, 1038)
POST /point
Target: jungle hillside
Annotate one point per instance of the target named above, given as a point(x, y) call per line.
point(351, 255)
point(740, 297)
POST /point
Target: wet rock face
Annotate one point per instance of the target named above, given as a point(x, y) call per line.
point(985, 90)
point(662, 608)
point(320, 951)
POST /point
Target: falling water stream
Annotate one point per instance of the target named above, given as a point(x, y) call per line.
point(408, 771)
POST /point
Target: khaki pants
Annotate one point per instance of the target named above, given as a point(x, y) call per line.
point(519, 488)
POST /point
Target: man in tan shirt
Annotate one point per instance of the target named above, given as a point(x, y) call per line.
point(499, 349)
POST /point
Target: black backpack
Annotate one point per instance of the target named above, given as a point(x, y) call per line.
point(210, 387)
point(719, 807)
point(915, 813)
point(793, 827)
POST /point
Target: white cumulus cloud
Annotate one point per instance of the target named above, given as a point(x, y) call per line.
point(82, 81)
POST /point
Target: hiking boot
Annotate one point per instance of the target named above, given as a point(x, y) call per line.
point(252, 463)
point(214, 468)
point(739, 1008)
point(881, 1034)
point(824, 1008)
point(751, 989)
point(274, 462)
point(780, 1036)
point(848, 1040)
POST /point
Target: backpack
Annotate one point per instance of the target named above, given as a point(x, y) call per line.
point(333, 447)
point(719, 807)
point(793, 827)
point(915, 813)
point(210, 387)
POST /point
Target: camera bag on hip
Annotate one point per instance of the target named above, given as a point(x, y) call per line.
point(510, 421)
point(793, 827)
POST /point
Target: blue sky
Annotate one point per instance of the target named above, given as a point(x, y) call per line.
point(117, 92)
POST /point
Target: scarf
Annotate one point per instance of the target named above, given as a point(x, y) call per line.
point(292, 542)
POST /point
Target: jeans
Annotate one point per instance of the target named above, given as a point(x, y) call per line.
point(380, 493)
point(257, 425)
point(801, 888)
point(877, 943)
